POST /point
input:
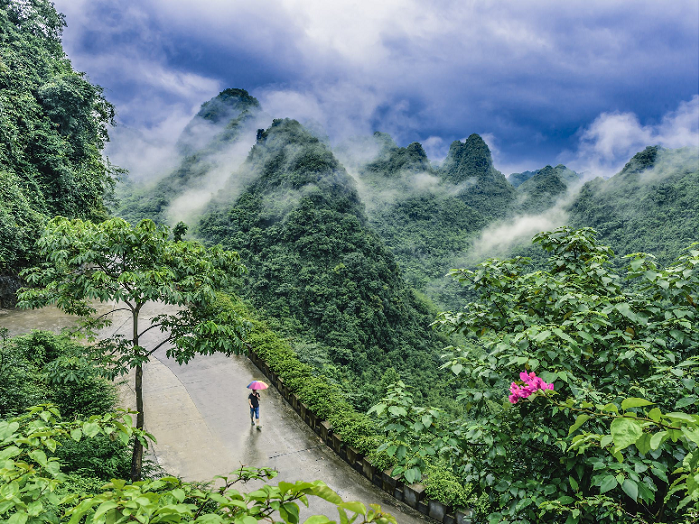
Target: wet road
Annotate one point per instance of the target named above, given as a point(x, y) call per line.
point(199, 415)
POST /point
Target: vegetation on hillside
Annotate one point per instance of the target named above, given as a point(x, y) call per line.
point(601, 422)
point(314, 264)
point(650, 206)
point(53, 128)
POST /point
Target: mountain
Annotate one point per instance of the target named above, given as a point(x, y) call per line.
point(542, 190)
point(650, 206)
point(315, 265)
point(211, 147)
point(53, 128)
point(486, 190)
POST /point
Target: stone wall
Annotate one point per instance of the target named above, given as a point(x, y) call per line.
point(412, 495)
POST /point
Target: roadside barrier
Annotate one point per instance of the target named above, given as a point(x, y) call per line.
point(413, 495)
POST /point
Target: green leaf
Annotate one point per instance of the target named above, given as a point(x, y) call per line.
point(626, 311)
point(654, 414)
point(318, 519)
point(580, 420)
point(635, 403)
point(630, 487)
point(398, 411)
point(355, 507)
point(574, 484)
point(625, 432)
point(657, 439)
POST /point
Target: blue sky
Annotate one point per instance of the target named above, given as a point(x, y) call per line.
point(586, 83)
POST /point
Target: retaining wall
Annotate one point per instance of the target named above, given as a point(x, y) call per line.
point(412, 495)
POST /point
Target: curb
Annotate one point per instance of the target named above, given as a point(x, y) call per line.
point(412, 495)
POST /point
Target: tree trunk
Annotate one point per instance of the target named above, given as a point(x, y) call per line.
point(137, 456)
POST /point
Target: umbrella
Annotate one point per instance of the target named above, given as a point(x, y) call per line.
point(257, 384)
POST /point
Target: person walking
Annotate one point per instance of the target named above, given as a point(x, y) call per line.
point(254, 403)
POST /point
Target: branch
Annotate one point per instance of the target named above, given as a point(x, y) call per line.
point(169, 339)
point(152, 326)
point(113, 311)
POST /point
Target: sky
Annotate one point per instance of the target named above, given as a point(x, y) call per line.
point(584, 83)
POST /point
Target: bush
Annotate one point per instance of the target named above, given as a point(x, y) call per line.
point(315, 390)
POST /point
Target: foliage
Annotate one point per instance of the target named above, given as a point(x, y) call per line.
point(131, 267)
point(650, 206)
point(598, 343)
point(313, 389)
point(647, 430)
point(412, 432)
point(33, 486)
point(53, 128)
point(43, 367)
point(316, 267)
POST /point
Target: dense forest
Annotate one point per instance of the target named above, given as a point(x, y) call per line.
point(53, 128)
point(341, 255)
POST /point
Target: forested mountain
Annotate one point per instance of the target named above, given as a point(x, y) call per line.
point(542, 190)
point(212, 145)
point(314, 264)
point(53, 128)
point(650, 206)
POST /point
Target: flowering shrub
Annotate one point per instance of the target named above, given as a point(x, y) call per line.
point(611, 344)
point(532, 384)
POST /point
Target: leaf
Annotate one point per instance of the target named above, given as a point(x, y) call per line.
point(657, 439)
point(574, 484)
point(625, 432)
point(644, 444)
point(634, 402)
point(397, 411)
point(318, 519)
point(542, 335)
point(626, 311)
point(76, 434)
point(91, 429)
point(355, 507)
point(580, 420)
point(654, 414)
point(630, 487)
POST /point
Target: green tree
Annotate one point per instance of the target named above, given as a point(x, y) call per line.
point(622, 446)
point(53, 129)
point(36, 490)
point(131, 267)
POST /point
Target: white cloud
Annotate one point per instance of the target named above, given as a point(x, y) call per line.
point(613, 138)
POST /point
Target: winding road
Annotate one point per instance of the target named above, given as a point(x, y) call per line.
point(199, 415)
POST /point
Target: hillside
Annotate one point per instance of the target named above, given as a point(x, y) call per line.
point(53, 128)
point(650, 206)
point(315, 265)
point(210, 148)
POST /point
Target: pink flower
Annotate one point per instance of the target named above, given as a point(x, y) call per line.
point(532, 384)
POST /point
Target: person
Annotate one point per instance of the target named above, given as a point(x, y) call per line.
point(254, 403)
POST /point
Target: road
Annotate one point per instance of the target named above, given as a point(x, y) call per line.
point(199, 415)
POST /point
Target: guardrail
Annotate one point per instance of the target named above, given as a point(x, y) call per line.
point(413, 495)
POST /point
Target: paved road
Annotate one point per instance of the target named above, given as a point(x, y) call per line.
point(199, 415)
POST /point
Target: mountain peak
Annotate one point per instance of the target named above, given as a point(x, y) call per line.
point(227, 104)
point(467, 160)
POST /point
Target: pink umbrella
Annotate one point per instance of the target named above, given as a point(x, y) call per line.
point(257, 384)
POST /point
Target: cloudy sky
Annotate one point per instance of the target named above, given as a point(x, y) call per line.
point(583, 82)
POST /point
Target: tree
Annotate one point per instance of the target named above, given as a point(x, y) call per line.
point(40, 492)
point(134, 266)
point(623, 445)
